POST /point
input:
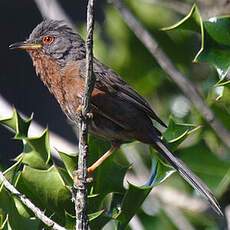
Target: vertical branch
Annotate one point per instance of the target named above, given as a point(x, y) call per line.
point(81, 182)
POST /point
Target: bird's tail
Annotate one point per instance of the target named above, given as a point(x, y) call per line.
point(187, 174)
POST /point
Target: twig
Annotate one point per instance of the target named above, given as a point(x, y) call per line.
point(81, 185)
point(37, 212)
point(186, 86)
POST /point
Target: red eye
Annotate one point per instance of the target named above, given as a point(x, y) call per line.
point(47, 40)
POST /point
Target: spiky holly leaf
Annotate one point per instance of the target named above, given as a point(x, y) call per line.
point(47, 190)
point(17, 124)
point(176, 133)
point(36, 151)
point(215, 39)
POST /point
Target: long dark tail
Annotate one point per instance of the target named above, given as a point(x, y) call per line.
point(188, 175)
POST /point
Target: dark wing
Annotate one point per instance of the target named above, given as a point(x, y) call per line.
point(115, 83)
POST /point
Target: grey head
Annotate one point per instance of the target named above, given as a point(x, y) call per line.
point(56, 40)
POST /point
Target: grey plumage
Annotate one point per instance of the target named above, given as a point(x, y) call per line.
point(67, 45)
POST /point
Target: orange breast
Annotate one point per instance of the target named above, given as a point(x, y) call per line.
point(65, 84)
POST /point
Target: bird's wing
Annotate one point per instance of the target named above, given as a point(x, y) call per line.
point(115, 83)
point(119, 105)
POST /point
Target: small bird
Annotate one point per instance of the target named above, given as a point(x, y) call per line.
point(120, 114)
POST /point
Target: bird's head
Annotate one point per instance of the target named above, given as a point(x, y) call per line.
point(55, 40)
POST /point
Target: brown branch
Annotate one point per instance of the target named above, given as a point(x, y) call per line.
point(186, 86)
point(37, 212)
point(81, 182)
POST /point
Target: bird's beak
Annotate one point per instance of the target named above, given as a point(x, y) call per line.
point(25, 46)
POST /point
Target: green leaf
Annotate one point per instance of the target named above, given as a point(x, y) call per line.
point(135, 196)
point(36, 152)
point(113, 180)
point(17, 124)
point(176, 133)
point(216, 45)
point(192, 21)
point(4, 220)
point(70, 221)
point(15, 220)
point(131, 203)
point(12, 172)
point(66, 177)
point(70, 162)
point(98, 220)
point(47, 190)
point(160, 170)
point(93, 216)
point(215, 39)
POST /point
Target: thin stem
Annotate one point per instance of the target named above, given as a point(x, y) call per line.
point(81, 182)
point(186, 86)
point(37, 212)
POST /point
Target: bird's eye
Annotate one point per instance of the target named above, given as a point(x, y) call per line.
point(47, 40)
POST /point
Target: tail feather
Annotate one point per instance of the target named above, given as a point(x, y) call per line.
point(188, 175)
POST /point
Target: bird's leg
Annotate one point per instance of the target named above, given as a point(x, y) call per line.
point(96, 164)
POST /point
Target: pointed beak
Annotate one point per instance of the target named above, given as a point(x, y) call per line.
point(25, 46)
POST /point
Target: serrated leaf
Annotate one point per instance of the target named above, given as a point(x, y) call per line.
point(70, 162)
point(17, 124)
point(47, 190)
point(216, 45)
point(215, 39)
point(176, 133)
point(36, 152)
point(192, 21)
